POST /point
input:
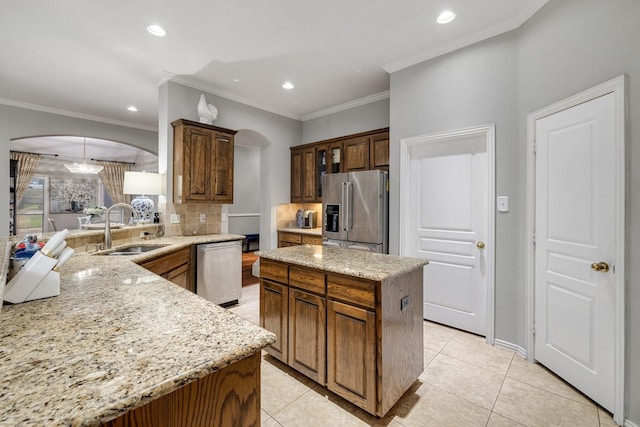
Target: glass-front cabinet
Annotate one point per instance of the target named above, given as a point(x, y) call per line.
point(328, 160)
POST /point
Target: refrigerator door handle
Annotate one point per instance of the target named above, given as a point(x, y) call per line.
point(348, 223)
point(343, 211)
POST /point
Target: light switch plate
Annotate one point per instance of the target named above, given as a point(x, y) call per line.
point(503, 203)
point(203, 218)
point(174, 219)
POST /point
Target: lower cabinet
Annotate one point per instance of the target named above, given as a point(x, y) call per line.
point(177, 267)
point(332, 342)
point(351, 354)
point(307, 334)
point(289, 238)
point(274, 315)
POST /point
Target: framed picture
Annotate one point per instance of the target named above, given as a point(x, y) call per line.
point(72, 195)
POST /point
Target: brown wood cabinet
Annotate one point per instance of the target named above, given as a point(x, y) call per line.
point(274, 311)
point(202, 162)
point(360, 338)
point(356, 154)
point(177, 267)
point(227, 397)
point(303, 175)
point(309, 162)
point(289, 238)
point(351, 354)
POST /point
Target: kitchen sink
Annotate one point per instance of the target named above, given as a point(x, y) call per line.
point(134, 250)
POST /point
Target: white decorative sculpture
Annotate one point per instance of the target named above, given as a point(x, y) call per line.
point(207, 112)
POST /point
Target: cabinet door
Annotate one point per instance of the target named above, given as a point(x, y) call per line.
point(307, 334)
point(309, 175)
point(351, 352)
point(197, 164)
point(379, 151)
point(356, 154)
point(223, 168)
point(296, 176)
point(274, 308)
point(179, 276)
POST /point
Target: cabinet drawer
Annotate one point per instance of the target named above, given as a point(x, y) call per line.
point(310, 280)
point(165, 263)
point(274, 270)
point(357, 291)
point(289, 237)
point(308, 239)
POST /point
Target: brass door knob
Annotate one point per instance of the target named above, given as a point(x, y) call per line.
point(600, 266)
point(480, 245)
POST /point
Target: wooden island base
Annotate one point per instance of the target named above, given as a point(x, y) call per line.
point(228, 397)
point(360, 337)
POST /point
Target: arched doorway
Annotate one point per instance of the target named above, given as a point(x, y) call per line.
point(53, 192)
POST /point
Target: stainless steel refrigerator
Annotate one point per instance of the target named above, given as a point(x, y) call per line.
point(355, 209)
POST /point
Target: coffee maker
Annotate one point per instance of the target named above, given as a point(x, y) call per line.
point(309, 219)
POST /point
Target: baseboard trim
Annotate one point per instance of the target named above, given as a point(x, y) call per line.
point(628, 423)
point(510, 346)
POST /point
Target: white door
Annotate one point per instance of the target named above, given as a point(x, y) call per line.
point(446, 218)
point(575, 232)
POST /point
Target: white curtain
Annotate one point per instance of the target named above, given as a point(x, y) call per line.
point(112, 177)
point(27, 165)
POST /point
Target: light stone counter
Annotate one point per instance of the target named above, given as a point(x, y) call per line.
point(116, 338)
point(366, 265)
point(312, 231)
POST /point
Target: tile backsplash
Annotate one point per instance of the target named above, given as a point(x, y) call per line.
point(286, 213)
point(190, 224)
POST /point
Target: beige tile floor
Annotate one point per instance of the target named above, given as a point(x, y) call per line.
point(465, 382)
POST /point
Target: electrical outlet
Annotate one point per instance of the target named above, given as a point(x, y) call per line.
point(203, 218)
point(174, 219)
point(404, 303)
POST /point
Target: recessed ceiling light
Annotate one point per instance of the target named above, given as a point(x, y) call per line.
point(287, 85)
point(236, 80)
point(132, 108)
point(446, 17)
point(156, 30)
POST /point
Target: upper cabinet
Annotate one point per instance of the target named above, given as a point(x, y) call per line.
point(362, 151)
point(202, 162)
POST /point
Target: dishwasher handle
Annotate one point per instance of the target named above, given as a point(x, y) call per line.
point(216, 246)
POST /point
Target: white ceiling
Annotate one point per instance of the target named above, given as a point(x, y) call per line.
point(96, 58)
point(72, 148)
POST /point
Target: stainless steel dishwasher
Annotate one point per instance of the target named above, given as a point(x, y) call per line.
point(219, 272)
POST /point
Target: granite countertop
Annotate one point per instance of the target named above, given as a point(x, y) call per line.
point(116, 338)
point(312, 231)
point(367, 265)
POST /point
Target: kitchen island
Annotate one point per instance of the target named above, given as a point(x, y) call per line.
point(349, 320)
point(123, 346)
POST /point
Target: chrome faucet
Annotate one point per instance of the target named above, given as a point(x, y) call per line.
point(107, 225)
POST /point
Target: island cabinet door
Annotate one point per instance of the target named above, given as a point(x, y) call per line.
point(307, 334)
point(351, 353)
point(274, 308)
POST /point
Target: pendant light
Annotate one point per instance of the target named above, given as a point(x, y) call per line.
point(84, 168)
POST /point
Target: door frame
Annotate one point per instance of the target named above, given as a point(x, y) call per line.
point(617, 87)
point(488, 132)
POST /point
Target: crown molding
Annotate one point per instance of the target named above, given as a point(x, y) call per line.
point(347, 105)
point(61, 112)
point(215, 91)
point(486, 33)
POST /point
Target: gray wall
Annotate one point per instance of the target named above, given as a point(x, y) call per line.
point(246, 190)
point(570, 46)
point(275, 135)
point(470, 87)
point(19, 122)
point(567, 47)
point(374, 115)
